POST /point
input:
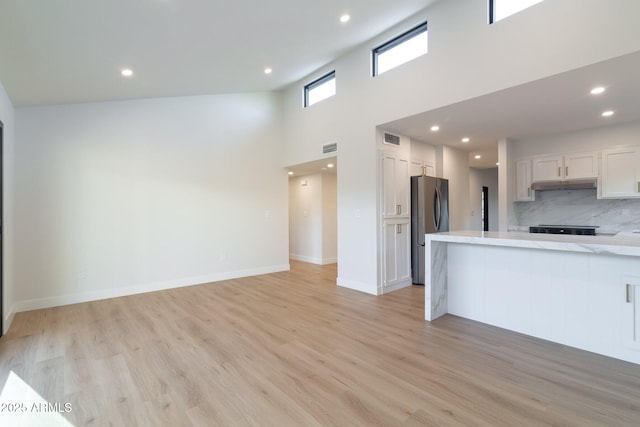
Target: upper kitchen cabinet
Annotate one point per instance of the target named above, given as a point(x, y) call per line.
point(395, 184)
point(548, 168)
point(620, 173)
point(581, 165)
point(565, 167)
point(420, 167)
point(524, 193)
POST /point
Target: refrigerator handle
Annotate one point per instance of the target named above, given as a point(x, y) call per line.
point(436, 209)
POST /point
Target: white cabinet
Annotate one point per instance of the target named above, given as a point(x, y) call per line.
point(620, 173)
point(395, 174)
point(634, 290)
point(397, 253)
point(395, 184)
point(581, 165)
point(572, 298)
point(548, 168)
point(419, 167)
point(565, 167)
point(632, 311)
point(524, 193)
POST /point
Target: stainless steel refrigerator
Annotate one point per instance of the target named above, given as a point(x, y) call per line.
point(429, 214)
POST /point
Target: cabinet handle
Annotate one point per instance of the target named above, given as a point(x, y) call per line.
point(398, 209)
point(566, 171)
point(559, 170)
point(628, 292)
point(529, 192)
point(399, 228)
point(638, 187)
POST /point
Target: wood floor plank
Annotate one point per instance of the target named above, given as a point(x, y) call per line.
point(293, 349)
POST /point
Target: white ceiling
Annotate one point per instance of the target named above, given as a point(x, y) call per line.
point(557, 104)
point(70, 51)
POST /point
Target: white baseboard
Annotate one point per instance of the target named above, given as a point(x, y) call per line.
point(8, 319)
point(358, 286)
point(387, 289)
point(313, 260)
point(55, 301)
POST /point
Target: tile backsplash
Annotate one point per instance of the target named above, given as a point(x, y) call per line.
point(579, 207)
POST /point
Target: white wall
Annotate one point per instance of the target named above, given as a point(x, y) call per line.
point(123, 197)
point(8, 232)
point(467, 58)
point(305, 218)
point(455, 168)
point(329, 218)
point(479, 178)
point(312, 218)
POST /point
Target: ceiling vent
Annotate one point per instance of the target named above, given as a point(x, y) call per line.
point(329, 148)
point(391, 139)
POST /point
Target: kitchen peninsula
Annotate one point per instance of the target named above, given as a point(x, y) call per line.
point(581, 291)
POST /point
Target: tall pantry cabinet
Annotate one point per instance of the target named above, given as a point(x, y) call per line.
point(395, 199)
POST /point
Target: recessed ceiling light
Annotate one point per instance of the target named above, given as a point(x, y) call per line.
point(330, 165)
point(497, 163)
point(268, 70)
point(290, 172)
point(477, 156)
point(345, 18)
point(435, 128)
point(608, 113)
point(465, 140)
point(126, 72)
point(597, 90)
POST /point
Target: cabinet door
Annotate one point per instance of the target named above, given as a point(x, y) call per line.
point(416, 167)
point(633, 299)
point(390, 264)
point(430, 169)
point(620, 173)
point(547, 169)
point(403, 186)
point(581, 165)
point(396, 181)
point(631, 312)
point(524, 193)
point(397, 247)
point(389, 206)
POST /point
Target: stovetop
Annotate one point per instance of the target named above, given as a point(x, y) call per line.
point(582, 230)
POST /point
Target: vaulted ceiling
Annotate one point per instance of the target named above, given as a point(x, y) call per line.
point(69, 51)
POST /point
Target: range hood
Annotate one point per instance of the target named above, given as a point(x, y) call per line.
point(578, 184)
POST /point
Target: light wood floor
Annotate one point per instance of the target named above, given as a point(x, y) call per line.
point(292, 349)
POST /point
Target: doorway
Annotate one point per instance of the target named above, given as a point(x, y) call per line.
point(483, 199)
point(313, 213)
point(485, 208)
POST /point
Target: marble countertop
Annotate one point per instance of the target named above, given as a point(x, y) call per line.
point(554, 242)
